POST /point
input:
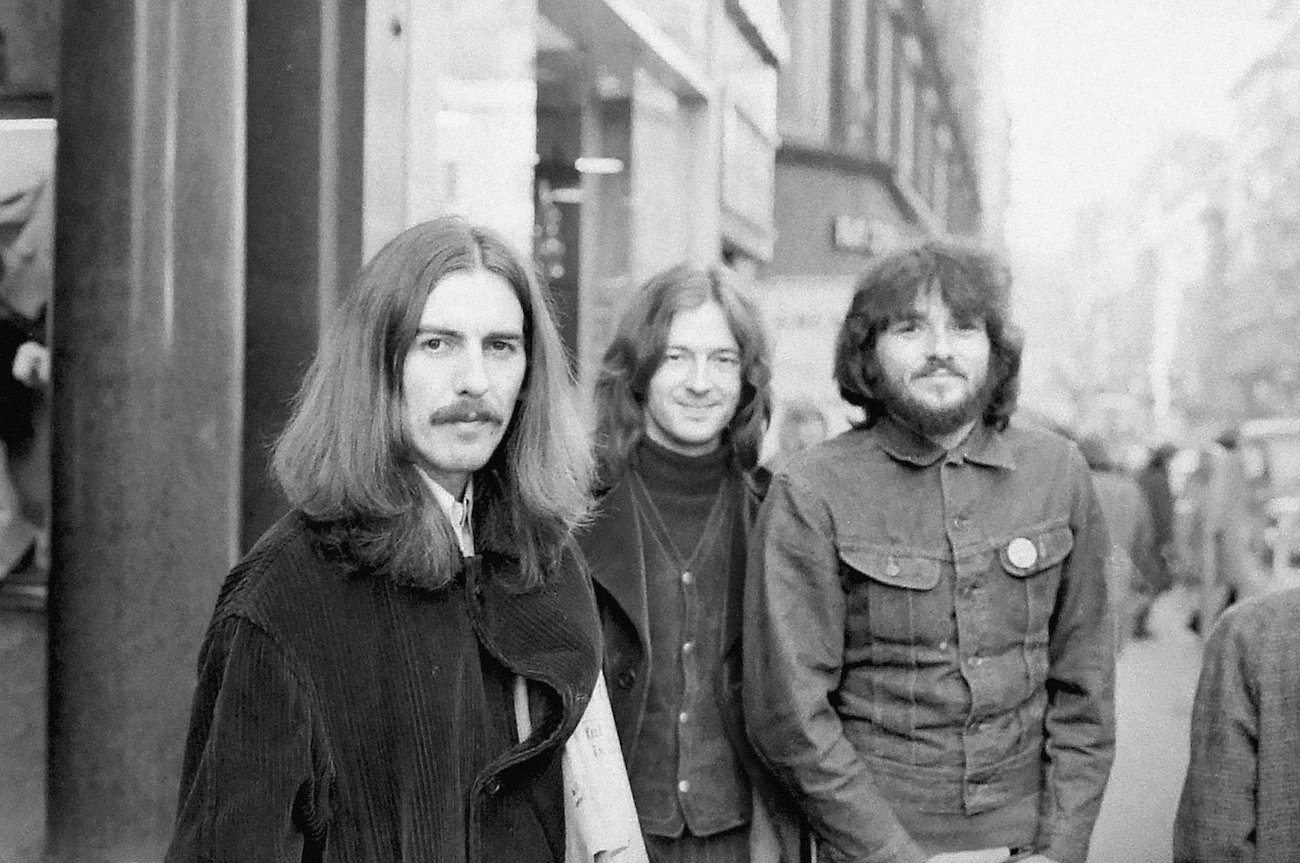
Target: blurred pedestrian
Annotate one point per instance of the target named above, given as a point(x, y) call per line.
point(392, 672)
point(1159, 577)
point(1133, 556)
point(682, 402)
point(1228, 573)
point(1240, 798)
point(929, 660)
point(801, 425)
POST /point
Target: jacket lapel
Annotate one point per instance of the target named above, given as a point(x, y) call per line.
point(616, 557)
point(549, 633)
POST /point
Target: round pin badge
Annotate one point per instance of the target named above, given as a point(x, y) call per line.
point(1022, 553)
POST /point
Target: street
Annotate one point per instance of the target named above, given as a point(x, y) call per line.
point(1155, 682)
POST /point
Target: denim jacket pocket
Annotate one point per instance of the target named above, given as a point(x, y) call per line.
point(891, 599)
point(1036, 551)
point(1033, 561)
point(896, 570)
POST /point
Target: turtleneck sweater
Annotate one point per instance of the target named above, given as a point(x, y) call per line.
point(683, 488)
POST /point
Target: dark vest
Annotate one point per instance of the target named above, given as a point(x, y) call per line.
point(685, 775)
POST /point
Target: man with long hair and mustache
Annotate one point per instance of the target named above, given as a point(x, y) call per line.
point(928, 656)
point(393, 671)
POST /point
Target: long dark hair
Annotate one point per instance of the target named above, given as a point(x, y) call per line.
point(343, 460)
point(637, 350)
point(972, 281)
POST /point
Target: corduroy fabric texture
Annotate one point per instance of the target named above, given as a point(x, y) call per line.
point(358, 717)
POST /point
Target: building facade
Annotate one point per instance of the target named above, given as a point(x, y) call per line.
point(893, 128)
point(222, 171)
point(1262, 223)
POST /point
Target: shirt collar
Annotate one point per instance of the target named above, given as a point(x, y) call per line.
point(983, 446)
point(459, 512)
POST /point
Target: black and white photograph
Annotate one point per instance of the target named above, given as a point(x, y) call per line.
point(650, 431)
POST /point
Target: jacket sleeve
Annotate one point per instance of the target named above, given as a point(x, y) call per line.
point(1080, 721)
point(247, 792)
point(793, 651)
point(1216, 813)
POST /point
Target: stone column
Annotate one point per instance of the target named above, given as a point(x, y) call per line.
point(148, 390)
point(306, 94)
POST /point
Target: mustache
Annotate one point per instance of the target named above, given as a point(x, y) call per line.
point(937, 365)
point(466, 411)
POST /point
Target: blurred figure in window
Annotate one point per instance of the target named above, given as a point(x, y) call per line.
point(26, 277)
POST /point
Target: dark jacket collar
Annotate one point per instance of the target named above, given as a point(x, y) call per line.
point(615, 554)
point(549, 633)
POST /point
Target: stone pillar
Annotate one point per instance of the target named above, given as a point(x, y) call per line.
point(148, 370)
point(306, 94)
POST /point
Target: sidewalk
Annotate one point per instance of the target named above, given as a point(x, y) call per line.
point(1155, 683)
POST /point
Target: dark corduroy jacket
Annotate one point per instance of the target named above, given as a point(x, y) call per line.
point(344, 716)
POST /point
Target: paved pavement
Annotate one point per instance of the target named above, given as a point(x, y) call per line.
point(1155, 682)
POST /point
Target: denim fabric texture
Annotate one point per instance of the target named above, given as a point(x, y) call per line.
point(928, 652)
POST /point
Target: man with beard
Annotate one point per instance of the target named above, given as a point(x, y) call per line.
point(682, 402)
point(927, 645)
point(393, 671)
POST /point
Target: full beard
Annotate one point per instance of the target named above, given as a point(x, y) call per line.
point(929, 421)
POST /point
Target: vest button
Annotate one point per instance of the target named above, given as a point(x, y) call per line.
point(684, 786)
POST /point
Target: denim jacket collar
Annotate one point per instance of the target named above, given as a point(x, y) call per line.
point(983, 446)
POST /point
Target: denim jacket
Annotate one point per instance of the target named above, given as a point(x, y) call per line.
point(927, 644)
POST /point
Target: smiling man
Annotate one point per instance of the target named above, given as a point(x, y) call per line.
point(927, 648)
point(682, 403)
point(393, 670)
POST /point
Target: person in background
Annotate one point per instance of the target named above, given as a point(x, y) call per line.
point(1227, 570)
point(929, 655)
point(394, 669)
point(1240, 799)
point(682, 402)
point(802, 425)
point(1153, 479)
point(1134, 558)
point(26, 282)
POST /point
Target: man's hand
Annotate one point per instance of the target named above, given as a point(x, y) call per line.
point(32, 365)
